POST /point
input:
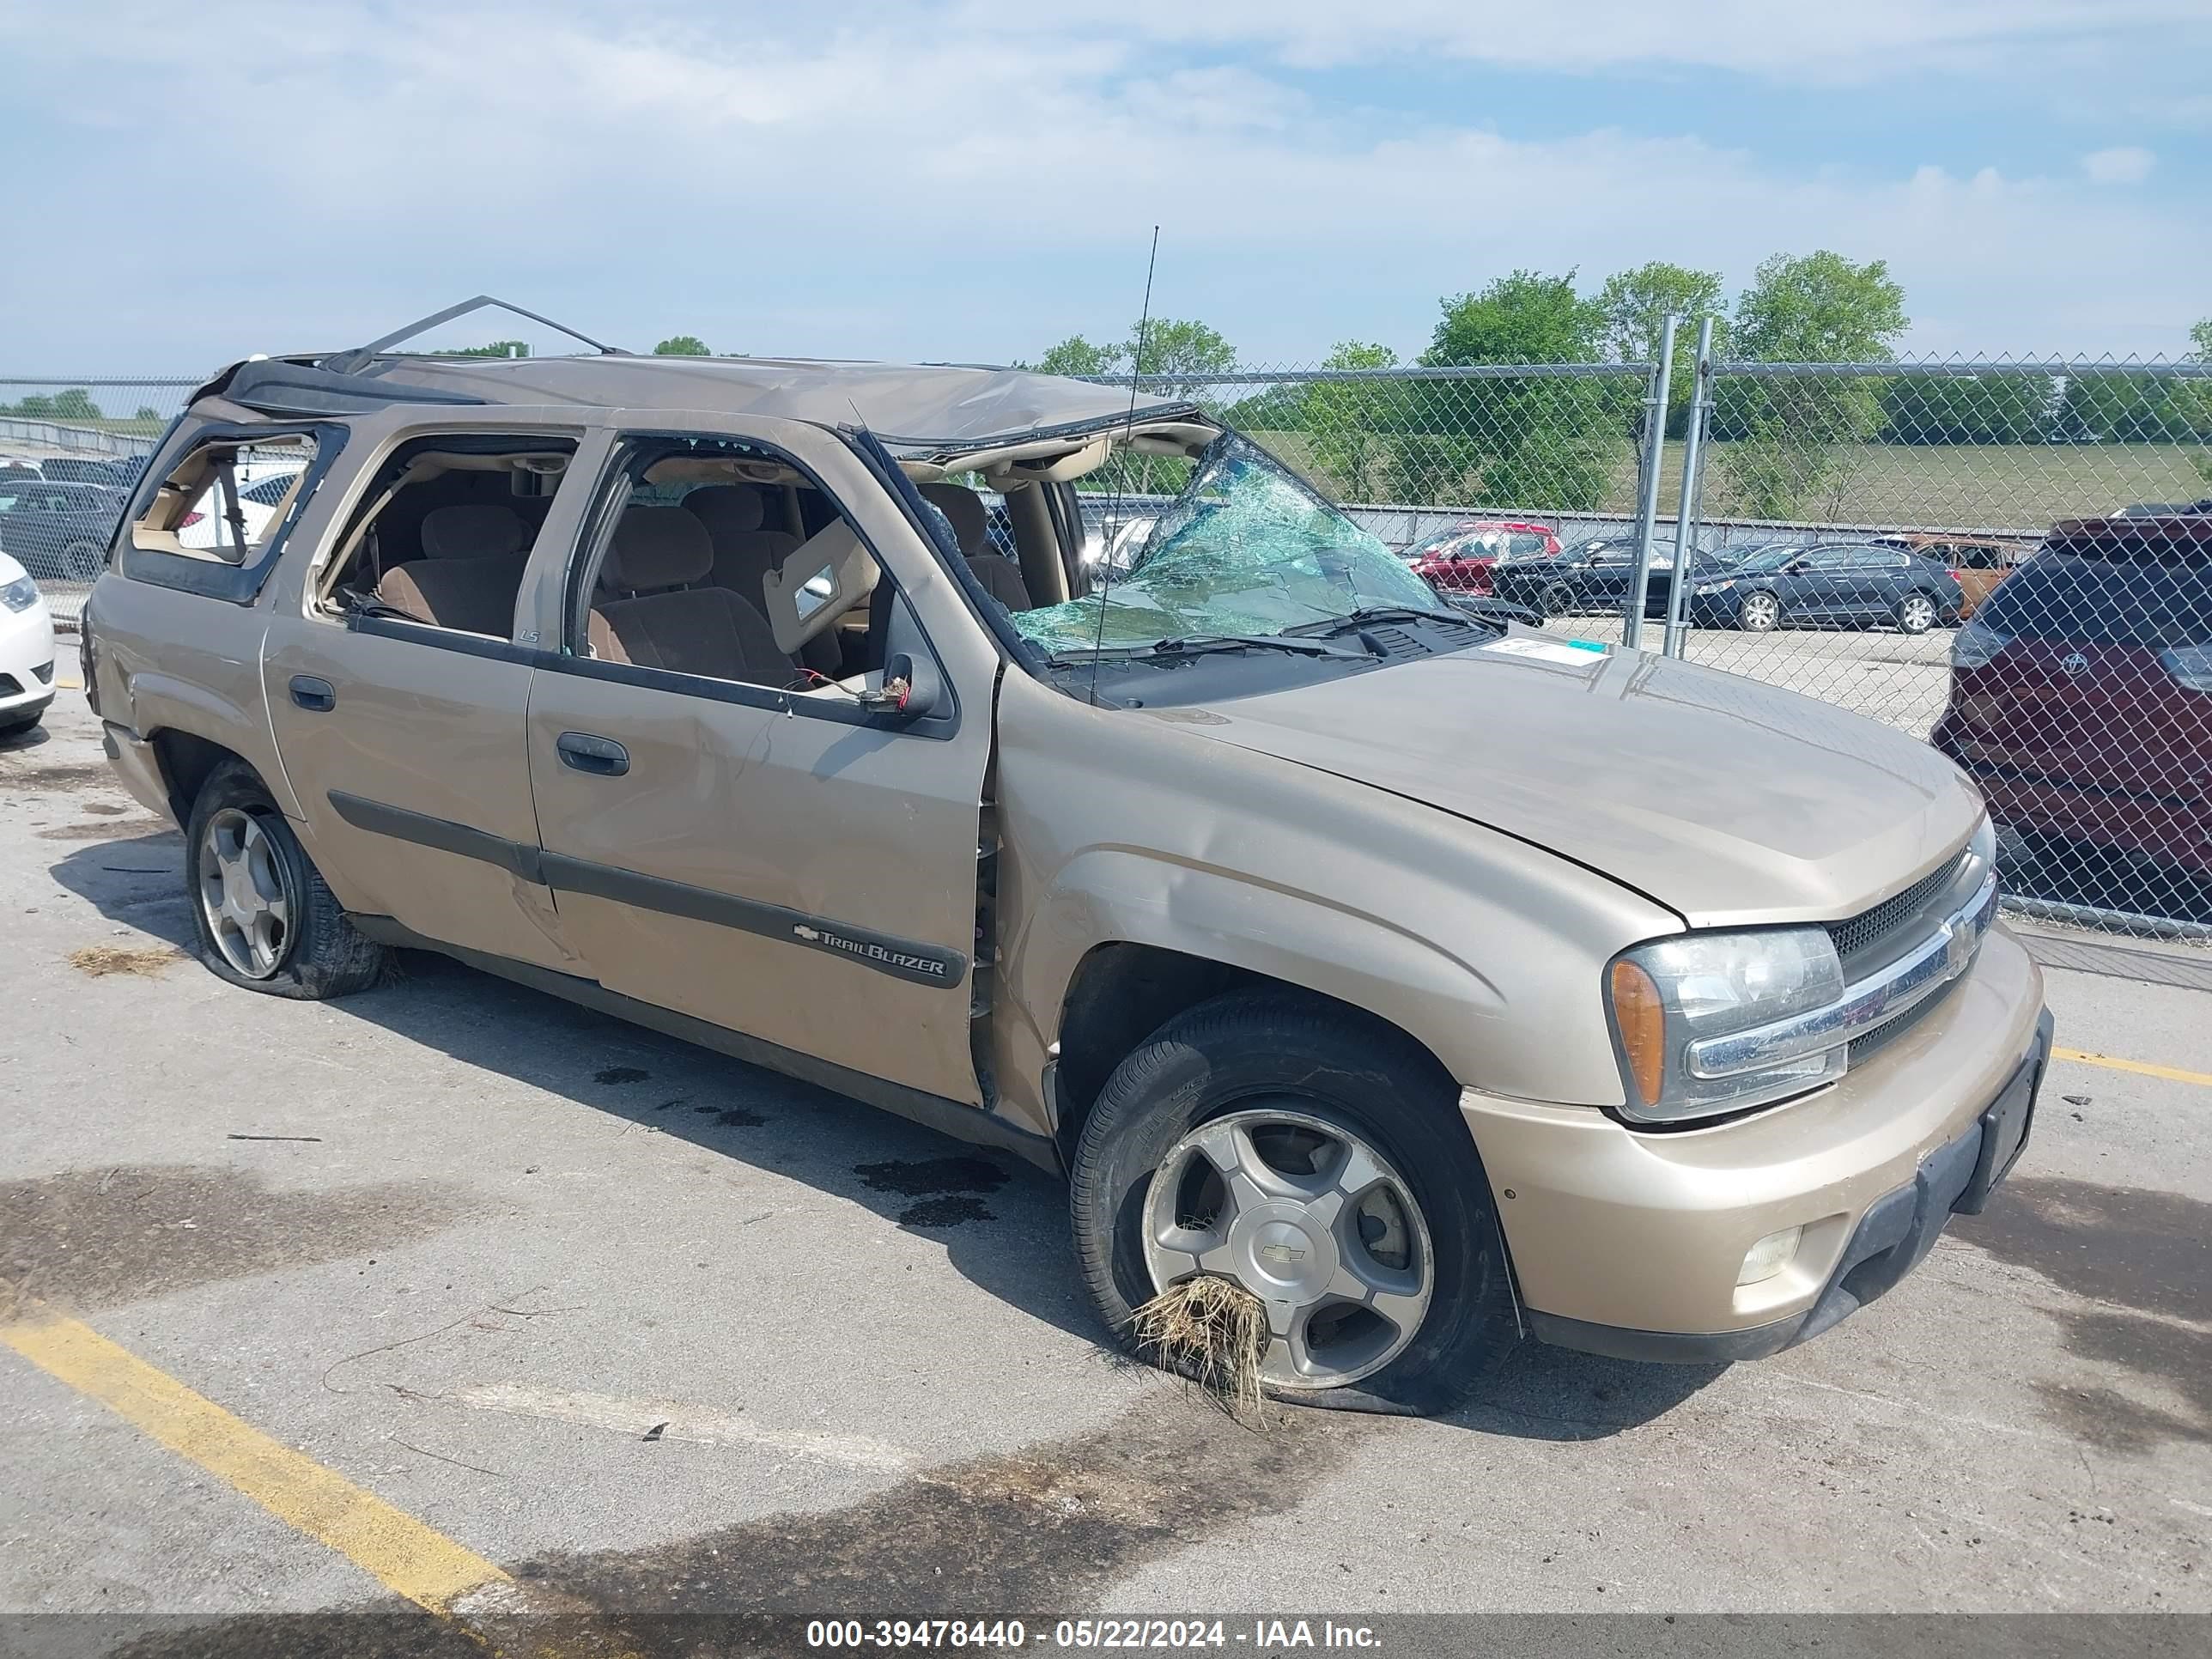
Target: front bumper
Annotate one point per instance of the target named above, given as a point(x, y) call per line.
point(2095, 805)
point(27, 661)
point(1630, 1242)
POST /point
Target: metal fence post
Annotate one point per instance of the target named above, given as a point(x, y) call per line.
point(1685, 520)
point(1647, 503)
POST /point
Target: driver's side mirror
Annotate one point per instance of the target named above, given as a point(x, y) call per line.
point(912, 688)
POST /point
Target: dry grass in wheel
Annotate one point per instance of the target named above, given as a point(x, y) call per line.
point(1212, 1332)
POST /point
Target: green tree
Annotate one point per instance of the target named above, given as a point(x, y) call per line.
point(1635, 304)
point(2199, 338)
point(1077, 356)
point(1349, 423)
point(1800, 439)
point(496, 349)
point(147, 412)
point(1998, 408)
point(1180, 346)
point(1534, 443)
point(682, 345)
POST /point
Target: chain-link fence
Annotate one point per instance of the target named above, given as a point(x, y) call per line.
point(69, 450)
point(1878, 536)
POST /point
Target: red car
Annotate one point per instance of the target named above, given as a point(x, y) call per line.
point(1459, 559)
point(2081, 691)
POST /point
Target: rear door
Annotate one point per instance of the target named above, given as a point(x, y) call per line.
point(403, 739)
point(787, 863)
point(1811, 587)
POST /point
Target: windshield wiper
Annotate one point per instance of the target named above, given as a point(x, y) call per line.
point(1196, 644)
point(1330, 627)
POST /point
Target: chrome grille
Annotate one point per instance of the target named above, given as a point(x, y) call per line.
point(1861, 934)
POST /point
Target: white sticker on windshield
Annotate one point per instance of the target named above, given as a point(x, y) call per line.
point(1576, 652)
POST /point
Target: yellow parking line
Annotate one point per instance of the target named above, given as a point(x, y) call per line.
point(418, 1562)
point(2140, 1067)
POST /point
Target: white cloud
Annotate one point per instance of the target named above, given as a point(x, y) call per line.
point(962, 191)
point(2123, 164)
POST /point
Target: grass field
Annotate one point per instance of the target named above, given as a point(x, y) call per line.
point(2023, 487)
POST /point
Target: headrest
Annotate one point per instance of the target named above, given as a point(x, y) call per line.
point(728, 509)
point(965, 508)
point(657, 547)
point(479, 529)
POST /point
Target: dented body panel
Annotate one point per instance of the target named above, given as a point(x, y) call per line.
point(915, 909)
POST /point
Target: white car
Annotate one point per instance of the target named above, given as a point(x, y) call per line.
point(257, 501)
point(27, 650)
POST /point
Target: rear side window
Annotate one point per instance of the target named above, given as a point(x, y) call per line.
point(2103, 602)
point(215, 521)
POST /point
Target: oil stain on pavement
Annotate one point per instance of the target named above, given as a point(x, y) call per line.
point(947, 1189)
point(90, 1238)
point(2144, 1258)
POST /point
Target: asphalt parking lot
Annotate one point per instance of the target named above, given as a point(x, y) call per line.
point(642, 1330)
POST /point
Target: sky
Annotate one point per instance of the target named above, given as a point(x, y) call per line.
point(963, 182)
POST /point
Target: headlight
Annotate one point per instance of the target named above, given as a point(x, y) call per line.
point(20, 594)
point(1715, 587)
point(1672, 993)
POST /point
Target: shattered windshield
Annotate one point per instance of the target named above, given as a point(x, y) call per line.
point(1246, 549)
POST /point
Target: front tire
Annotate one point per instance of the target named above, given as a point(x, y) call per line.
point(1758, 613)
point(1558, 599)
point(264, 916)
point(1317, 1158)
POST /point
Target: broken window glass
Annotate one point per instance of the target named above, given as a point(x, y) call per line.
point(1246, 549)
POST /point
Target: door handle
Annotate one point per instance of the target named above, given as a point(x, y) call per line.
point(602, 756)
point(318, 696)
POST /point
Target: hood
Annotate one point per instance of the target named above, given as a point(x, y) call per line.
point(1726, 800)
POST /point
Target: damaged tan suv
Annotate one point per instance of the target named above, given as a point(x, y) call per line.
point(1437, 984)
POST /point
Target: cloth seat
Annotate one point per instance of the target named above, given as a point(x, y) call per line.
point(744, 553)
point(971, 526)
point(661, 558)
point(469, 575)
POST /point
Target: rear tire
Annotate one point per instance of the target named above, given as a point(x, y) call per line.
point(1915, 614)
point(82, 561)
point(263, 915)
point(1342, 1082)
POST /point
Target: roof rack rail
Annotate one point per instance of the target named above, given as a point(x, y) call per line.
point(352, 363)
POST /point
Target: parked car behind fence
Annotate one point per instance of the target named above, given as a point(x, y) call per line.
point(2081, 694)
point(1851, 585)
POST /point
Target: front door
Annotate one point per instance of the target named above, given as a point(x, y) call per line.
point(723, 841)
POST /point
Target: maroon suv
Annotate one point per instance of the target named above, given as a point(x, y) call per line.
point(2081, 691)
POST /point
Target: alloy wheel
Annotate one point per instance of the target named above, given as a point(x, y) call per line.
point(1760, 611)
point(1917, 615)
point(1311, 1220)
point(243, 893)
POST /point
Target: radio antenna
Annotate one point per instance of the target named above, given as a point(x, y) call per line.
point(1114, 502)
